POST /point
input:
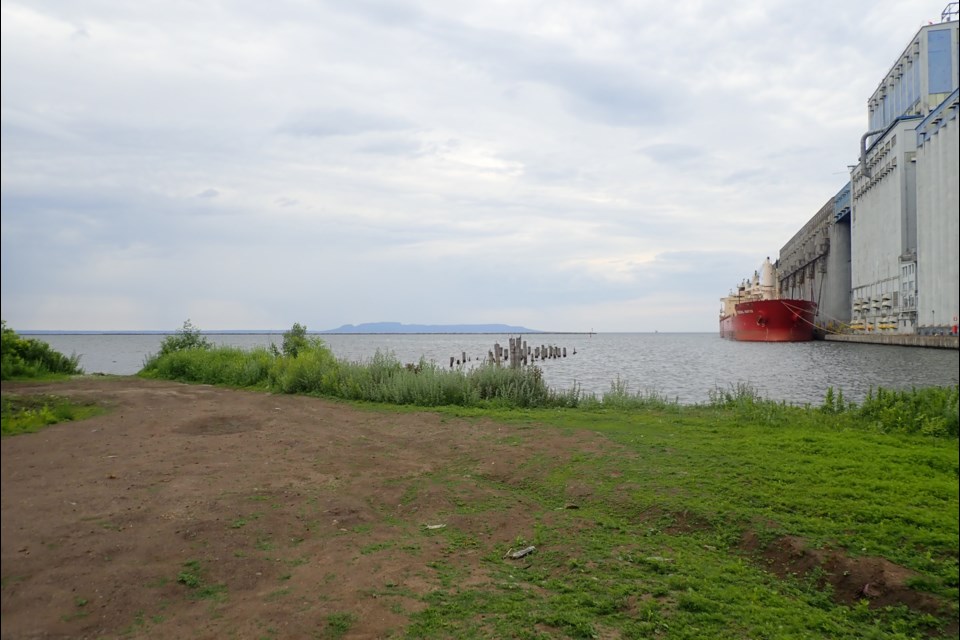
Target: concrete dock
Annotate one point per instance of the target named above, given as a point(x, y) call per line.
point(932, 342)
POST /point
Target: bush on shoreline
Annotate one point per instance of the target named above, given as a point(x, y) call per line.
point(313, 369)
point(187, 337)
point(306, 365)
point(31, 358)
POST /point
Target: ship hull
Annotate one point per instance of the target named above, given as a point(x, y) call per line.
point(783, 320)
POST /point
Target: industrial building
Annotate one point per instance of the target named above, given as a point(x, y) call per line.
point(815, 263)
point(882, 255)
point(938, 218)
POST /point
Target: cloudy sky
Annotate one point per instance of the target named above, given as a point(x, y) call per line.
point(562, 165)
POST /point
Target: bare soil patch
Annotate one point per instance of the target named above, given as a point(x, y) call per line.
point(197, 511)
point(851, 579)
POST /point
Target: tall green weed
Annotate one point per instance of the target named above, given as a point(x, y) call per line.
point(306, 365)
point(933, 411)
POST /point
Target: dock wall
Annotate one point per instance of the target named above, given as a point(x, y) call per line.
point(900, 339)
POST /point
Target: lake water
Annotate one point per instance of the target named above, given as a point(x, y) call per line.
point(682, 366)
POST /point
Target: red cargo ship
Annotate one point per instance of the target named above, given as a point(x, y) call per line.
point(755, 313)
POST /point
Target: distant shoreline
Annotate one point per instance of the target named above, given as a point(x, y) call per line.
point(271, 332)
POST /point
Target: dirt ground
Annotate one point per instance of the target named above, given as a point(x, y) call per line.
point(202, 512)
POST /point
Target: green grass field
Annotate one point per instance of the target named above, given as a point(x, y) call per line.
point(670, 542)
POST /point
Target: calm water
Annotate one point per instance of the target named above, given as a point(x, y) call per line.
point(685, 366)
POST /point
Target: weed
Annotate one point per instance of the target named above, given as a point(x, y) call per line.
point(277, 594)
point(27, 414)
point(339, 624)
point(192, 577)
point(373, 548)
point(80, 612)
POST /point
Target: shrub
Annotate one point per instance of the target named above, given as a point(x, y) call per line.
point(30, 358)
point(187, 337)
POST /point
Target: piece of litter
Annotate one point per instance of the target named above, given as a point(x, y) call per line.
point(514, 555)
point(434, 526)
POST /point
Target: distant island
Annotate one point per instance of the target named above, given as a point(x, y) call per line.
point(397, 327)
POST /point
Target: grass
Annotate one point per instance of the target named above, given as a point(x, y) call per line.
point(339, 624)
point(30, 413)
point(656, 550)
point(826, 482)
point(192, 577)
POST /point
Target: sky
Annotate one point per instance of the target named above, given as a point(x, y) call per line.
point(563, 165)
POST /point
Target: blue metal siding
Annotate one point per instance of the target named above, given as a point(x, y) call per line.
point(841, 203)
point(940, 62)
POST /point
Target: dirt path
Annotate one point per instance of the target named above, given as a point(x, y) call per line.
point(195, 511)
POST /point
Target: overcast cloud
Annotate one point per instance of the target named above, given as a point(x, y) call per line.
point(565, 166)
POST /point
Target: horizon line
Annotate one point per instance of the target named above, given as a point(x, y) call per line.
point(318, 332)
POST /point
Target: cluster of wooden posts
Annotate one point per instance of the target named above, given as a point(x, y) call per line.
point(517, 353)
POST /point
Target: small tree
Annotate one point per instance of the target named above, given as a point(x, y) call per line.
point(187, 337)
point(295, 340)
